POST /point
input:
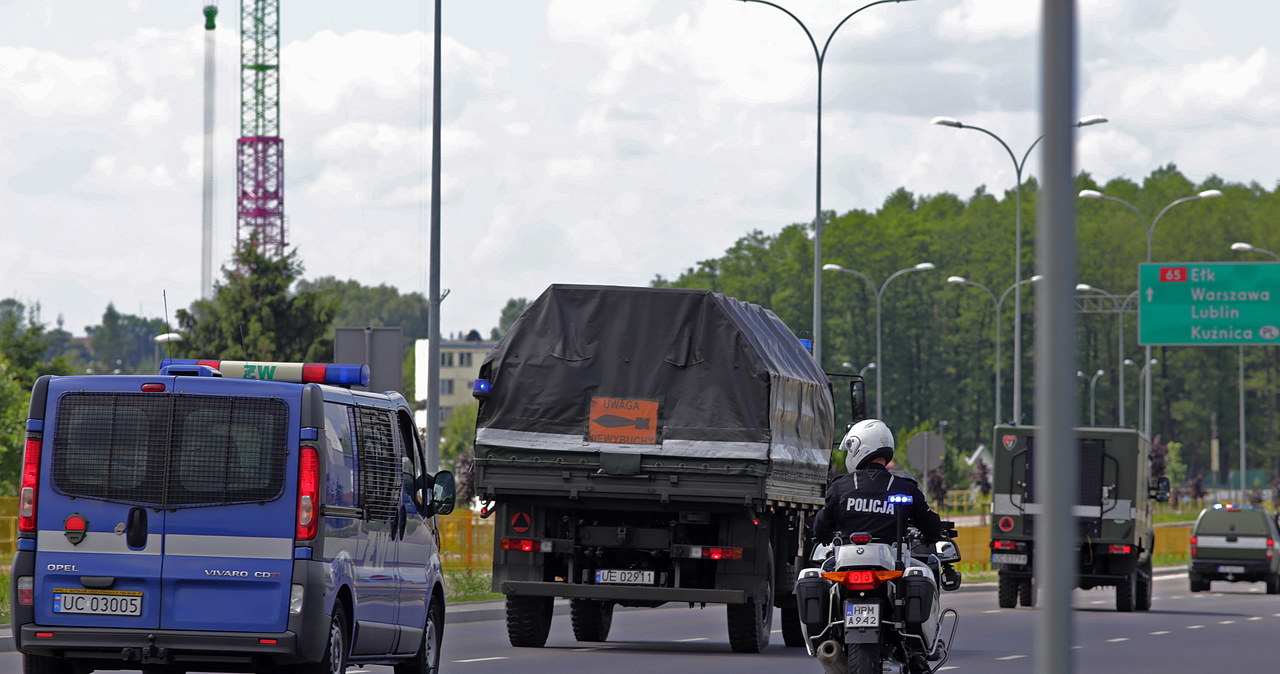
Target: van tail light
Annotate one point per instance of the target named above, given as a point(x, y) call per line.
point(308, 493)
point(862, 580)
point(26, 591)
point(30, 484)
point(1193, 546)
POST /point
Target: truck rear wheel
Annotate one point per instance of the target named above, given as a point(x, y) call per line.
point(1143, 590)
point(591, 619)
point(1126, 592)
point(1007, 591)
point(1027, 593)
point(1198, 583)
point(529, 620)
point(791, 633)
point(751, 623)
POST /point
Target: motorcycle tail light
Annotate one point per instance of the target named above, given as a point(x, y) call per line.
point(862, 580)
point(860, 539)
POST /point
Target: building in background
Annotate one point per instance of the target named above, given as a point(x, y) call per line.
point(460, 359)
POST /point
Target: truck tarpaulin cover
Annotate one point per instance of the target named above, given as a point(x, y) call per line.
point(656, 371)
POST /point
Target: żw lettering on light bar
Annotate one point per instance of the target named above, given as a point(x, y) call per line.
point(301, 373)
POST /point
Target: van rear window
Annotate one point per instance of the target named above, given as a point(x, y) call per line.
point(170, 451)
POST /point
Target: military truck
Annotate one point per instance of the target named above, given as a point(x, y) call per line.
point(1114, 536)
point(642, 446)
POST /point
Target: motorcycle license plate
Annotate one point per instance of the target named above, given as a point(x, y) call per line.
point(1230, 569)
point(861, 615)
point(1008, 558)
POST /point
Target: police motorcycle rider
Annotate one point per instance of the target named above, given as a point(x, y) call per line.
point(858, 501)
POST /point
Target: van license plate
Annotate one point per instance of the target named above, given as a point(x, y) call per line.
point(1008, 558)
point(861, 615)
point(1230, 569)
point(97, 602)
point(624, 576)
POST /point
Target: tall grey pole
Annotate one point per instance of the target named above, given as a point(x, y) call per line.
point(1243, 495)
point(206, 211)
point(433, 299)
point(1055, 340)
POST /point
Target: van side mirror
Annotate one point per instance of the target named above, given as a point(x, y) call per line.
point(443, 493)
point(1160, 492)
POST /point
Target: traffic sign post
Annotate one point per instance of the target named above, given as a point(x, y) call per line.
point(1208, 303)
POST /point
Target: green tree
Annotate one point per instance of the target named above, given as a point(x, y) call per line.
point(123, 343)
point(27, 345)
point(515, 306)
point(13, 413)
point(253, 315)
point(457, 448)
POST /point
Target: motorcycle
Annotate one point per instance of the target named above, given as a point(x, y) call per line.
point(873, 607)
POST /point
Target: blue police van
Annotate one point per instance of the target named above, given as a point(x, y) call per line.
point(226, 515)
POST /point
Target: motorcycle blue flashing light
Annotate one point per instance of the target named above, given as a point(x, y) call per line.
point(900, 498)
point(481, 389)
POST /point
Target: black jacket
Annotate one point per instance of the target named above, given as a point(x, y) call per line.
point(859, 501)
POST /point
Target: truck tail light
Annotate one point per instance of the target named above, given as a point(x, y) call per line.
point(30, 485)
point(1119, 549)
point(1004, 545)
point(1193, 546)
point(308, 493)
point(709, 552)
point(862, 580)
point(526, 545)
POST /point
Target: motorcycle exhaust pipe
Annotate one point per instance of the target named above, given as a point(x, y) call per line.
point(831, 656)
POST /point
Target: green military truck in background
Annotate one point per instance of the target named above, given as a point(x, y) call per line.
point(1114, 534)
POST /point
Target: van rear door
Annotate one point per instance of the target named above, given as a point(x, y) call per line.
point(228, 555)
point(99, 539)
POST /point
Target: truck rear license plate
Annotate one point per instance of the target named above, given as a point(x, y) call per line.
point(97, 602)
point(1230, 569)
point(624, 576)
point(1008, 558)
point(862, 615)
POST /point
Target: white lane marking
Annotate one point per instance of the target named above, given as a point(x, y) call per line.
point(503, 657)
point(693, 639)
point(1257, 617)
point(996, 610)
point(1161, 632)
point(1076, 648)
point(591, 648)
point(1226, 622)
point(1098, 601)
point(1276, 615)
point(1117, 640)
point(948, 667)
point(1176, 596)
point(1195, 627)
point(1011, 657)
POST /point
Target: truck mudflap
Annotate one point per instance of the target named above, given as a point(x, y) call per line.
point(623, 593)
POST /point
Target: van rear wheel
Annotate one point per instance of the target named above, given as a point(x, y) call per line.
point(335, 651)
point(41, 664)
point(427, 660)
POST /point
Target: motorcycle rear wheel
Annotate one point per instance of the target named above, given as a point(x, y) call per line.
point(862, 658)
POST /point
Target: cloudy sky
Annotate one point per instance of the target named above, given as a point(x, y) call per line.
point(584, 141)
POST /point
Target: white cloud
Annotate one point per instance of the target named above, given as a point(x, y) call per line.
point(983, 20)
point(145, 115)
point(45, 84)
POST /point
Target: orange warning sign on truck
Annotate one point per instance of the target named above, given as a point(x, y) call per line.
point(627, 421)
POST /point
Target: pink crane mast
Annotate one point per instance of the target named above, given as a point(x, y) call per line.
point(260, 150)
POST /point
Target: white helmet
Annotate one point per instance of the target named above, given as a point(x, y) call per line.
point(866, 440)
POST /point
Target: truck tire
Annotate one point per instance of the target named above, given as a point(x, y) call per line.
point(591, 619)
point(1198, 583)
point(1126, 592)
point(751, 623)
point(1007, 591)
point(529, 620)
point(1027, 593)
point(862, 658)
point(1273, 584)
point(1143, 590)
point(792, 635)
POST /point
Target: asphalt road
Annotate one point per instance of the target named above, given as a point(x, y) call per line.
point(1232, 628)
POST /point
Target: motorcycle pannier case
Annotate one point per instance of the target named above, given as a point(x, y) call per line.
point(813, 597)
point(918, 592)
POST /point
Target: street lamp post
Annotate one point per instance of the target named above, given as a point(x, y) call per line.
point(820, 56)
point(1120, 310)
point(1017, 241)
point(1244, 247)
point(849, 366)
point(997, 303)
point(879, 293)
point(1142, 376)
point(1093, 381)
point(1150, 230)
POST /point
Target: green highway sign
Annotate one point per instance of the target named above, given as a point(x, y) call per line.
point(1208, 303)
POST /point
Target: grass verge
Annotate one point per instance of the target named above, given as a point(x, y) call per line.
point(469, 586)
